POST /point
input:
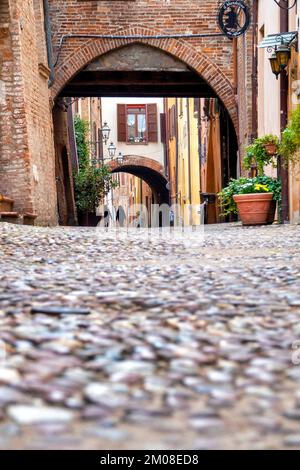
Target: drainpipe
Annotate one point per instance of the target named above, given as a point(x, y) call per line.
point(189, 147)
point(177, 148)
point(47, 26)
point(284, 84)
point(168, 169)
point(71, 133)
point(235, 65)
point(199, 132)
point(254, 70)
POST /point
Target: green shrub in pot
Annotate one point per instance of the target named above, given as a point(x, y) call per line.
point(257, 154)
point(289, 148)
point(259, 184)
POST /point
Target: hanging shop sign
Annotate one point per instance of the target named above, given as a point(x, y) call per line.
point(234, 18)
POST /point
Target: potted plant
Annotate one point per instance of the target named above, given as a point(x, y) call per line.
point(91, 182)
point(252, 199)
point(271, 144)
point(289, 148)
point(261, 153)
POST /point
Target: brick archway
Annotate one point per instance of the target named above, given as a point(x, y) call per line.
point(80, 56)
point(137, 161)
point(149, 170)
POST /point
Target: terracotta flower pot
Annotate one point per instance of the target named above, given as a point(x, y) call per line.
point(271, 148)
point(272, 212)
point(254, 208)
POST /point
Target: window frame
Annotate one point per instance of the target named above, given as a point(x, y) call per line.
point(127, 112)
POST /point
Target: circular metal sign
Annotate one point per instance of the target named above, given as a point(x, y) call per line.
point(234, 18)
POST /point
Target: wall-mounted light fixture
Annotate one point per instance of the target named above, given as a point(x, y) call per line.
point(105, 131)
point(120, 158)
point(276, 69)
point(280, 46)
point(283, 54)
point(279, 59)
point(111, 150)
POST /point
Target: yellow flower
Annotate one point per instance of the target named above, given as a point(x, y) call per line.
point(261, 187)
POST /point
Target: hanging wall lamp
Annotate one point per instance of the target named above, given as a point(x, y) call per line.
point(276, 69)
point(283, 54)
point(280, 45)
point(111, 150)
point(105, 131)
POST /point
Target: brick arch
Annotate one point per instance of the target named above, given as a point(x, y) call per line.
point(149, 170)
point(180, 49)
point(139, 161)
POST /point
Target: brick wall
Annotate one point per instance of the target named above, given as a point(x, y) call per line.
point(245, 49)
point(14, 156)
point(63, 169)
point(27, 171)
point(210, 57)
point(244, 98)
point(27, 159)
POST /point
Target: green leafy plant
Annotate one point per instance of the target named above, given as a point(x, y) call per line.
point(260, 184)
point(257, 154)
point(81, 135)
point(91, 183)
point(289, 148)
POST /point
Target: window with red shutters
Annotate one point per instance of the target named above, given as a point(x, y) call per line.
point(163, 128)
point(137, 123)
point(121, 112)
point(152, 122)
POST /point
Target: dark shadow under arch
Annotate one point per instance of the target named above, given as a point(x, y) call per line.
point(137, 70)
point(157, 182)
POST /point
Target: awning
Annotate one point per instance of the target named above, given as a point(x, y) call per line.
point(273, 40)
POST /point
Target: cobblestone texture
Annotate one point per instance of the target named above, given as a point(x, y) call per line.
point(166, 342)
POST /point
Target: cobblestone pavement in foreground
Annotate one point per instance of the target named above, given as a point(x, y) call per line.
point(168, 343)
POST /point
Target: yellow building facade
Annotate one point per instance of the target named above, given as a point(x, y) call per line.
point(201, 154)
point(293, 103)
point(183, 158)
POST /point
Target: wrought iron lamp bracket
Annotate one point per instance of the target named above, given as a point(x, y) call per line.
point(280, 42)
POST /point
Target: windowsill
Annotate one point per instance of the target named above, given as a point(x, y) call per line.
point(136, 143)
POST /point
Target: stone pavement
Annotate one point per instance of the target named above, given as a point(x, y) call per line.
point(167, 342)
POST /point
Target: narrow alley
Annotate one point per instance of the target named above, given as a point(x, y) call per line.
point(118, 340)
point(149, 231)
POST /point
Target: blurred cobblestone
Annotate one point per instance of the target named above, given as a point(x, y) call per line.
point(116, 340)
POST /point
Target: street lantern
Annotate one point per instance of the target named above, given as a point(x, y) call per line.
point(283, 56)
point(280, 46)
point(275, 66)
point(105, 131)
point(120, 158)
point(111, 150)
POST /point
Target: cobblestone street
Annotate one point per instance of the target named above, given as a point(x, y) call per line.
point(166, 343)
